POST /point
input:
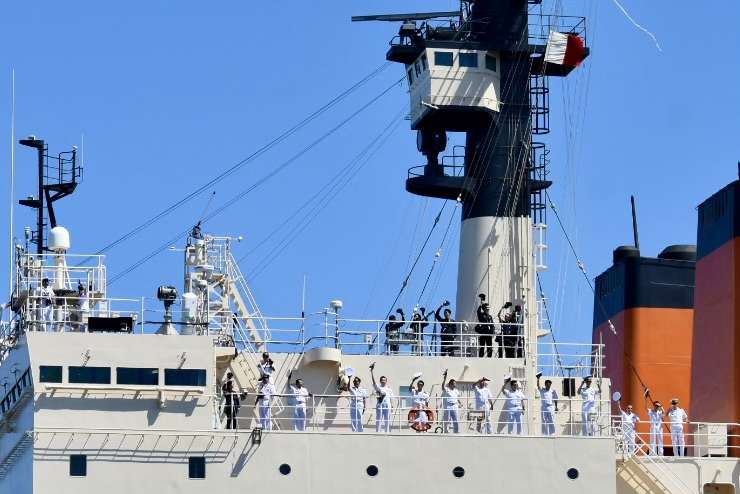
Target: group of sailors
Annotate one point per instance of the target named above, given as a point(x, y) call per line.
point(48, 301)
point(677, 418)
point(508, 334)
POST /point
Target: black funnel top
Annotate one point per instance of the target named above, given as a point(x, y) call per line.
point(624, 252)
point(679, 253)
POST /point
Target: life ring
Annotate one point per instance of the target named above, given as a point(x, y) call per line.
point(416, 424)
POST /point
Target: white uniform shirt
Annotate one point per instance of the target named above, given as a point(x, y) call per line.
point(357, 400)
point(451, 397)
point(420, 399)
point(299, 395)
point(47, 296)
point(267, 391)
point(677, 417)
point(629, 420)
point(482, 395)
point(385, 393)
point(588, 395)
point(548, 397)
point(266, 369)
point(656, 418)
point(514, 400)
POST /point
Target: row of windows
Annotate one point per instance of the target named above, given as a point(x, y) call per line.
point(197, 468)
point(446, 59)
point(124, 375)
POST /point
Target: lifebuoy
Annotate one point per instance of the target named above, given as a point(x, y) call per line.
point(417, 425)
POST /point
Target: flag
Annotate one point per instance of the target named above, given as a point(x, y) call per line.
point(565, 49)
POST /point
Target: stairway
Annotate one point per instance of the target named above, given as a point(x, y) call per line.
point(6, 464)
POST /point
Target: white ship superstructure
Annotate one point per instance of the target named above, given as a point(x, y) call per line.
point(133, 394)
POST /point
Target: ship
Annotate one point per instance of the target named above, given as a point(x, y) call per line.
point(198, 389)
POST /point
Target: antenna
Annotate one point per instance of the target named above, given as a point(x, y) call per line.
point(416, 16)
point(12, 178)
point(634, 223)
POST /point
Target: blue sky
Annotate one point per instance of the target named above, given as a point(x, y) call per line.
point(169, 96)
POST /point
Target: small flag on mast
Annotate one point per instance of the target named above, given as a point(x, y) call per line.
point(565, 49)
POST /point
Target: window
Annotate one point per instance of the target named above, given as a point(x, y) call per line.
point(410, 76)
point(417, 67)
point(196, 467)
point(89, 375)
point(458, 472)
point(184, 377)
point(50, 373)
point(468, 60)
point(284, 469)
point(424, 63)
point(572, 473)
point(443, 58)
point(372, 470)
point(136, 375)
point(77, 465)
point(491, 62)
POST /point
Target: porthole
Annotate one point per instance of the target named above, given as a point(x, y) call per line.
point(458, 472)
point(372, 470)
point(284, 469)
point(572, 473)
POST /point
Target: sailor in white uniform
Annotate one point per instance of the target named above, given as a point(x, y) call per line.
point(265, 392)
point(383, 408)
point(451, 398)
point(514, 405)
point(629, 423)
point(549, 399)
point(677, 417)
point(484, 403)
point(656, 415)
point(266, 366)
point(419, 400)
point(300, 395)
point(358, 395)
point(588, 410)
point(46, 305)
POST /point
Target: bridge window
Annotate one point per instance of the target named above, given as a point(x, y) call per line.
point(468, 60)
point(443, 58)
point(77, 465)
point(410, 75)
point(491, 62)
point(136, 375)
point(424, 63)
point(50, 373)
point(196, 467)
point(89, 375)
point(417, 66)
point(184, 377)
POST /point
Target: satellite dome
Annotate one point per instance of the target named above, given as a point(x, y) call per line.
point(59, 239)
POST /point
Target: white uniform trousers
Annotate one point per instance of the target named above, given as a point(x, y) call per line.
point(356, 417)
point(486, 427)
point(265, 416)
point(383, 418)
point(452, 419)
point(548, 422)
point(299, 415)
point(47, 317)
point(629, 439)
point(656, 439)
point(514, 423)
point(587, 416)
point(679, 444)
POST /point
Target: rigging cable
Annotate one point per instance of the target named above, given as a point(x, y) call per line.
point(259, 182)
point(251, 157)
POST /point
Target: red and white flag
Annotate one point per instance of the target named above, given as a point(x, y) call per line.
point(565, 49)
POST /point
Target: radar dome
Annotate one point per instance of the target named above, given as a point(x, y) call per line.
point(59, 239)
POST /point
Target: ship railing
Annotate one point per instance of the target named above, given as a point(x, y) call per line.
point(541, 25)
point(73, 313)
point(14, 394)
point(335, 413)
point(88, 271)
point(701, 439)
point(570, 359)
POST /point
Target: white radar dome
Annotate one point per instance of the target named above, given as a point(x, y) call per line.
point(59, 239)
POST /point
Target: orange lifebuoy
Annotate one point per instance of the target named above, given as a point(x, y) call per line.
point(416, 424)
